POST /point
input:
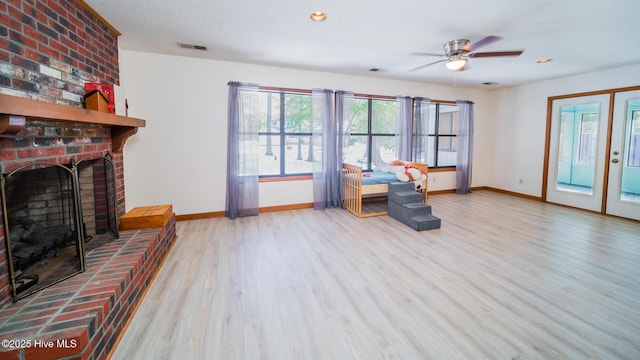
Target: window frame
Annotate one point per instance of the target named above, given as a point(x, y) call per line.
point(370, 134)
point(436, 135)
point(587, 136)
point(282, 134)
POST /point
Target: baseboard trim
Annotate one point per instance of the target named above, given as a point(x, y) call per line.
point(286, 207)
point(508, 192)
point(440, 192)
point(488, 188)
point(219, 214)
point(200, 216)
point(266, 209)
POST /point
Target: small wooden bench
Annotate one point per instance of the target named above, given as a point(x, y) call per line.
point(146, 217)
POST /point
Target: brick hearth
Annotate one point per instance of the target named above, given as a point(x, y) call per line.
point(81, 318)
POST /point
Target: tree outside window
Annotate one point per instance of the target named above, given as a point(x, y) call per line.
point(443, 128)
point(285, 134)
point(373, 127)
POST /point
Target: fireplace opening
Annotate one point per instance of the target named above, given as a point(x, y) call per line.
point(53, 215)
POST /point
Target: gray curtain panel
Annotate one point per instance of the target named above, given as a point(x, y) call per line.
point(327, 183)
point(420, 141)
point(403, 128)
point(465, 147)
point(242, 151)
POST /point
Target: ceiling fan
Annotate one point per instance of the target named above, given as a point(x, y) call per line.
point(458, 52)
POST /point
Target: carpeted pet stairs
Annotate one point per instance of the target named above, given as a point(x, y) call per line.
point(406, 205)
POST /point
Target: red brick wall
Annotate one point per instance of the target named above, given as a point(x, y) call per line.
point(50, 48)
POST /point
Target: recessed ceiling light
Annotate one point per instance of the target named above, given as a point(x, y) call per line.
point(318, 16)
point(542, 61)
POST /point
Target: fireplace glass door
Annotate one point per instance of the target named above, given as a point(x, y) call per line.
point(43, 226)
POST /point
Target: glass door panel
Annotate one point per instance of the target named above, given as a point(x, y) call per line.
point(630, 190)
point(577, 148)
point(624, 167)
point(577, 151)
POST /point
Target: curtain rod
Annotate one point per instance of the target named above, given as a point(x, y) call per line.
point(306, 91)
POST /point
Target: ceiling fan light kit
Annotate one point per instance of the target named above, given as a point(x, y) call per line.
point(458, 52)
point(456, 62)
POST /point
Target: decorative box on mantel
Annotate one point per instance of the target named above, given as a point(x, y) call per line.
point(15, 111)
point(96, 100)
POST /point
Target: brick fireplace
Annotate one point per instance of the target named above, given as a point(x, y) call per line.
point(83, 315)
point(50, 49)
point(55, 142)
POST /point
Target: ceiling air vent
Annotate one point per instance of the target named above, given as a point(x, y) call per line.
point(193, 47)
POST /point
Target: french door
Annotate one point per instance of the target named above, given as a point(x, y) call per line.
point(577, 151)
point(623, 191)
point(594, 153)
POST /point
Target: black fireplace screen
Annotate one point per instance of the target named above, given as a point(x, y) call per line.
point(53, 215)
point(97, 188)
point(42, 226)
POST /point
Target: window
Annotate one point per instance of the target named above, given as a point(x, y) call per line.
point(373, 128)
point(443, 127)
point(588, 138)
point(634, 140)
point(564, 140)
point(285, 134)
point(285, 145)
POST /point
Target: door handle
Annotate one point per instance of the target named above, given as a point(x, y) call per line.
point(615, 161)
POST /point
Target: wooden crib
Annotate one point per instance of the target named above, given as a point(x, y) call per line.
point(355, 191)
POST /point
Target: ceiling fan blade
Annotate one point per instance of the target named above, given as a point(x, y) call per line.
point(427, 54)
point(481, 43)
point(496, 53)
point(424, 66)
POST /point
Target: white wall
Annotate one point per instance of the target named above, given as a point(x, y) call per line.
point(179, 158)
point(520, 124)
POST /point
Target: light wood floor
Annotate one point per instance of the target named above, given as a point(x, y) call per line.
point(504, 278)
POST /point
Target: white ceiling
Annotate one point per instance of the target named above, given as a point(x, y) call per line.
point(580, 36)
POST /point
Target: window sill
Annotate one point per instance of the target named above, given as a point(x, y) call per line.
point(443, 169)
point(286, 178)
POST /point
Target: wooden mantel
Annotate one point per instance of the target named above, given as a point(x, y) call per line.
point(14, 111)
